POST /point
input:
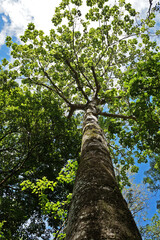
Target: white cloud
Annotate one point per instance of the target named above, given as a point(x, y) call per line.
point(141, 5)
point(21, 12)
point(4, 18)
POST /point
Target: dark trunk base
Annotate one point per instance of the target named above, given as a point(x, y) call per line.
point(101, 213)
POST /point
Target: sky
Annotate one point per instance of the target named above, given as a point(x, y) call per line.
point(16, 14)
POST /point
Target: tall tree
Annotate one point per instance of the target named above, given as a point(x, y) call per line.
point(98, 210)
point(90, 61)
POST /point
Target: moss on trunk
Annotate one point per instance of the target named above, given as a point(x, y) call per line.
point(98, 210)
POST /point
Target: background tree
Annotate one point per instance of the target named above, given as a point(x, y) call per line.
point(137, 196)
point(33, 145)
point(152, 230)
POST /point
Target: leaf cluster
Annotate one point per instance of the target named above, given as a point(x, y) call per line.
point(33, 144)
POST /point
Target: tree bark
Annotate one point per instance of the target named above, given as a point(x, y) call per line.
point(98, 210)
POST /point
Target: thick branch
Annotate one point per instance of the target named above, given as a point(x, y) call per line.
point(89, 84)
point(80, 69)
point(116, 115)
point(77, 79)
point(75, 107)
point(150, 7)
point(98, 87)
point(55, 89)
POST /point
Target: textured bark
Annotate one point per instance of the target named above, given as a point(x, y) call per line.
point(98, 210)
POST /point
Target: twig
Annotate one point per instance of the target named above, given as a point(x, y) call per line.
point(56, 236)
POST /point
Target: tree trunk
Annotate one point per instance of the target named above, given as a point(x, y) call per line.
point(98, 210)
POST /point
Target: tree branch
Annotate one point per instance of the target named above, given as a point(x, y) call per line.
point(89, 84)
point(150, 7)
point(75, 107)
point(98, 87)
point(6, 134)
point(55, 88)
point(17, 168)
point(116, 115)
point(80, 69)
point(60, 229)
point(75, 75)
point(112, 44)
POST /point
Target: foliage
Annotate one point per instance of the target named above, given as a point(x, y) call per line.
point(137, 196)
point(59, 209)
point(1, 232)
point(102, 61)
point(33, 145)
point(153, 175)
point(152, 230)
point(66, 175)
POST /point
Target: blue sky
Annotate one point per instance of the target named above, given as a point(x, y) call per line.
point(153, 197)
point(14, 18)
